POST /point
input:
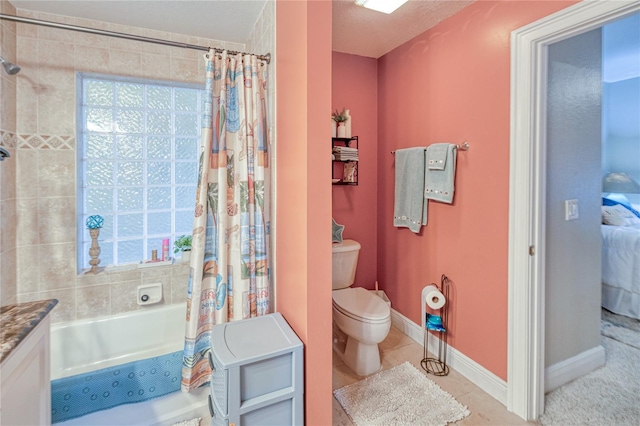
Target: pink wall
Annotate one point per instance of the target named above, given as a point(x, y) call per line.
point(451, 84)
point(303, 209)
point(354, 86)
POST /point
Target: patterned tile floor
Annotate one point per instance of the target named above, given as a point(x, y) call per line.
point(398, 348)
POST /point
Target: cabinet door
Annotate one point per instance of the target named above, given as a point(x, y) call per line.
point(25, 394)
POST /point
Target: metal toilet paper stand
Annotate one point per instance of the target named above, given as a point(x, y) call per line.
point(438, 324)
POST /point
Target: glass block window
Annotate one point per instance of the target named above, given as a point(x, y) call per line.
point(138, 152)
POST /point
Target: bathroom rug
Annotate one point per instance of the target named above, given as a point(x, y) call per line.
point(402, 395)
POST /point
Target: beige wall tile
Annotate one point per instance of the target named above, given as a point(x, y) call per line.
point(27, 109)
point(57, 220)
point(89, 40)
point(91, 59)
point(9, 218)
point(123, 296)
point(179, 284)
point(57, 266)
point(27, 57)
point(45, 106)
point(84, 280)
point(8, 40)
point(90, 23)
point(155, 48)
point(65, 310)
point(8, 282)
point(7, 7)
point(27, 269)
point(55, 64)
point(125, 44)
point(57, 173)
point(185, 70)
point(116, 276)
point(155, 66)
point(155, 272)
point(123, 62)
point(55, 34)
point(93, 301)
point(27, 233)
point(26, 173)
point(56, 111)
point(26, 30)
point(8, 105)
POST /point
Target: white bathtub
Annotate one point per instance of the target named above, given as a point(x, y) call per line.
point(81, 346)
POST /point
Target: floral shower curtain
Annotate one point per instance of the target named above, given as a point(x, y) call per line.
point(229, 278)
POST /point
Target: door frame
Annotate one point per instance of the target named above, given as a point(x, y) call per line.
point(527, 193)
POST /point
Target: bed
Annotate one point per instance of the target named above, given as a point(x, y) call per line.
point(621, 269)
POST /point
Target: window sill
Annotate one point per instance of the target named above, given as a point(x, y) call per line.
point(110, 270)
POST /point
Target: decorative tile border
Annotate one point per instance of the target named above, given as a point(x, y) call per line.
point(7, 139)
point(54, 142)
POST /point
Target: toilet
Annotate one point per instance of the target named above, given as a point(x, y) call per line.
point(361, 319)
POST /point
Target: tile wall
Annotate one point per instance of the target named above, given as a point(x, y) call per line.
point(45, 201)
point(8, 166)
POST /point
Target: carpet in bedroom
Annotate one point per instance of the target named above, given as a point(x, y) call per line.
point(609, 395)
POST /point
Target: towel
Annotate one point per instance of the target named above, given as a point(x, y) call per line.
point(437, 156)
point(410, 207)
point(438, 181)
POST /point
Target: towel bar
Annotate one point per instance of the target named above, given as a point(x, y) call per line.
point(464, 146)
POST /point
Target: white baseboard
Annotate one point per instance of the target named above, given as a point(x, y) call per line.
point(474, 372)
point(572, 368)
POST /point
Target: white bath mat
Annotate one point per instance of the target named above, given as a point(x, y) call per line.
point(192, 422)
point(399, 396)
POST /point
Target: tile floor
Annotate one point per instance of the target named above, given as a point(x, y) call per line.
point(398, 348)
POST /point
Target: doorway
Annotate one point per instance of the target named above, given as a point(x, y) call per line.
point(527, 224)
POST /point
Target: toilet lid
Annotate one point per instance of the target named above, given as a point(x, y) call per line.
point(359, 303)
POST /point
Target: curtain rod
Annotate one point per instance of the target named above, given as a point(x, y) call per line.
point(266, 58)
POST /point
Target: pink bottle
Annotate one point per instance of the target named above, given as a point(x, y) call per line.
point(165, 249)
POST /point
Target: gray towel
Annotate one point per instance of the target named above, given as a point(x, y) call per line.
point(437, 156)
point(439, 182)
point(410, 207)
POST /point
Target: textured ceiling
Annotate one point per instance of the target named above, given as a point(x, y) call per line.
point(369, 33)
point(356, 30)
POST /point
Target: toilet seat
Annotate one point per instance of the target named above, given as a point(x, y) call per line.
point(361, 305)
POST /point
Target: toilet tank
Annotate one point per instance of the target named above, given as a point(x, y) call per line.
point(344, 263)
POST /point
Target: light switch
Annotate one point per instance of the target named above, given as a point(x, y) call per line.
point(571, 210)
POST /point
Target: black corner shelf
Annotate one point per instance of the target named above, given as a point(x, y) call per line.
point(347, 143)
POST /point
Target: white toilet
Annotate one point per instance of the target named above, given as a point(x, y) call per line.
point(361, 319)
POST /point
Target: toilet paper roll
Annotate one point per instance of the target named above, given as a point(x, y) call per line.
point(434, 298)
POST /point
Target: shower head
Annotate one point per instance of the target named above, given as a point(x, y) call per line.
point(9, 67)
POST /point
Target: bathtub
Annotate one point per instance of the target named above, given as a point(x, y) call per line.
point(81, 347)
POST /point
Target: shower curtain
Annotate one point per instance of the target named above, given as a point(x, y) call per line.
point(229, 276)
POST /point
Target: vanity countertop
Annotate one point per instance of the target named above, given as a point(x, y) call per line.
point(17, 321)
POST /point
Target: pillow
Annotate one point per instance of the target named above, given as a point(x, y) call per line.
point(610, 202)
point(618, 215)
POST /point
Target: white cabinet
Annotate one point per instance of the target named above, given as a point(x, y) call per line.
point(25, 389)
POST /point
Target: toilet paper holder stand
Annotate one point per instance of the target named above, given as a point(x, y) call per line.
point(438, 325)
